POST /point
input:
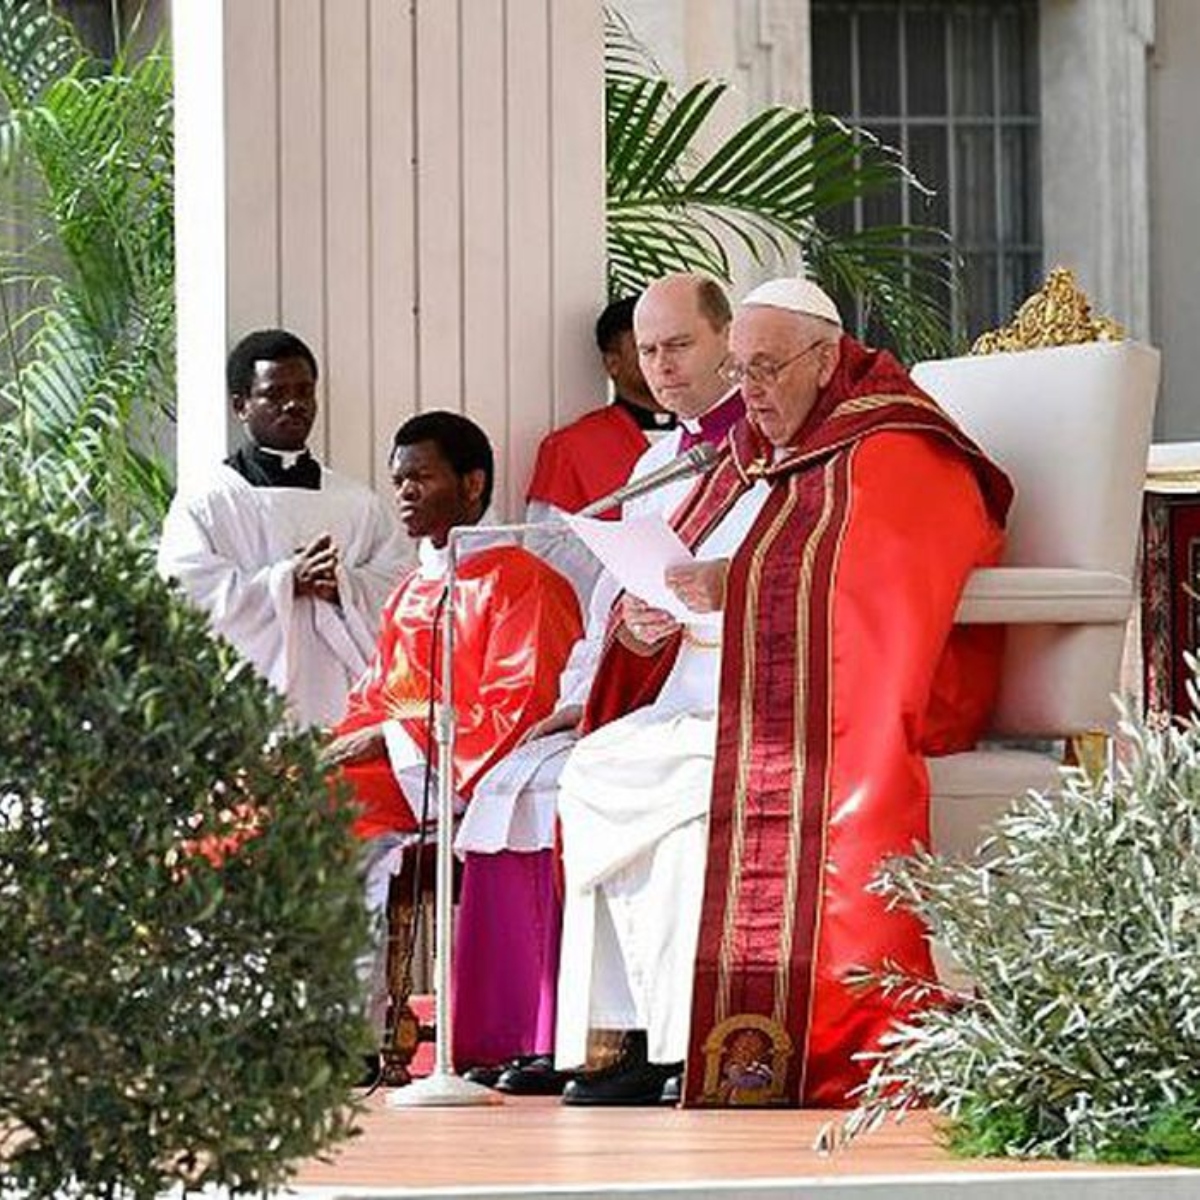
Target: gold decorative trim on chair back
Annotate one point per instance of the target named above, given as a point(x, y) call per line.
point(1057, 314)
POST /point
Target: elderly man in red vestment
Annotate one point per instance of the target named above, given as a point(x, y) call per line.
point(515, 620)
point(752, 765)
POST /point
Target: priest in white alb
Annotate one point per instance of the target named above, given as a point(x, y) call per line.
point(291, 560)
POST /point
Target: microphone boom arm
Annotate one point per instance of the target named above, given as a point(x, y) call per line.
point(692, 462)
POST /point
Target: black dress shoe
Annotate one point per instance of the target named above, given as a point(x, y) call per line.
point(640, 1083)
point(672, 1090)
point(484, 1075)
point(372, 1072)
point(534, 1076)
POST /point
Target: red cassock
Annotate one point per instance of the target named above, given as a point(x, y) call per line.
point(515, 621)
point(841, 668)
point(587, 459)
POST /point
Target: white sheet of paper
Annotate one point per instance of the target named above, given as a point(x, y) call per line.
point(637, 551)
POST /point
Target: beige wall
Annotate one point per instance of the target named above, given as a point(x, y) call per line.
point(417, 189)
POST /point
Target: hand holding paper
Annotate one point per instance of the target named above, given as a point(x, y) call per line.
point(639, 551)
point(700, 585)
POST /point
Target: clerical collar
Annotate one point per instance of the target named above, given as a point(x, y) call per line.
point(276, 468)
point(432, 560)
point(647, 418)
point(714, 424)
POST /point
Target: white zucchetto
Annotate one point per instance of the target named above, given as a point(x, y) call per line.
point(796, 295)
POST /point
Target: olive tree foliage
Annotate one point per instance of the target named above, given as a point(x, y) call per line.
point(178, 890)
point(1079, 924)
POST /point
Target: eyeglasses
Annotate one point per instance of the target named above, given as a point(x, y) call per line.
point(762, 373)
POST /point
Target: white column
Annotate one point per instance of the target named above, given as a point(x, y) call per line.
point(1095, 150)
point(200, 258)
point(774, 53)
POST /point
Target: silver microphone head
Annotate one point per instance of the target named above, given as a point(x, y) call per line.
point(701, 456)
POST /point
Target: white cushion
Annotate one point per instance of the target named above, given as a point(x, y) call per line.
point(969, 791)
point(996, 774)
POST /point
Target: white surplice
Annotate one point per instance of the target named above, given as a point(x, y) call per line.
point(633, 802)
point(232, 547)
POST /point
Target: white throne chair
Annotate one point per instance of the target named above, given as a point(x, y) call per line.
point(1071, 425)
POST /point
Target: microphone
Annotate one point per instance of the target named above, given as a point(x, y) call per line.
point(695, 461)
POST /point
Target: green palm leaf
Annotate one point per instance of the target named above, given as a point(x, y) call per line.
point(36, 47)
point(773, 188)
point(87, 271)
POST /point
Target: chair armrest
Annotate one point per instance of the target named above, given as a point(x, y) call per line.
point(1044, 596)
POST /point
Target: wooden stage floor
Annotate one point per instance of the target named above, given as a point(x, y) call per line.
point(537, 1146)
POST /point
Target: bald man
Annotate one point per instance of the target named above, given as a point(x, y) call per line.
point(681, 333)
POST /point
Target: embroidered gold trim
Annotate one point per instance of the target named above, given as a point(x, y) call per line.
point(753, 1052)
point(787, 926)
point(861, 404)
point(737, 845)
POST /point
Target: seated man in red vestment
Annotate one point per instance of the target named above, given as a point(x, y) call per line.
point(757, 761)
point(594, 454)
point(515, 620)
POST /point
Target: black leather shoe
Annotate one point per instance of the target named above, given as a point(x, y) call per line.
point(637, 1084)
point(372, 1069)
point(534, 1076)
point(484, 1075)
point(672, 1090)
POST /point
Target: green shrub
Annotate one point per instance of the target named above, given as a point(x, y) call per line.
point(164, 1018)
point(1081, 1037)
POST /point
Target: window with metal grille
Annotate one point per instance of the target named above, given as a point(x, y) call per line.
point(954, 87)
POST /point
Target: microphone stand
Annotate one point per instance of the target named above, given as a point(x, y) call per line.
point(443, 1087)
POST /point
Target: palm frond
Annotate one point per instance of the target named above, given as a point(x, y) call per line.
point(36, 48)
point(773, 188)
point(88, 362)
point(625, 55)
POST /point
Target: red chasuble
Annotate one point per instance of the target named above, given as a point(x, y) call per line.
point(840, 667)
point(515, 621)
point(587, 459)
